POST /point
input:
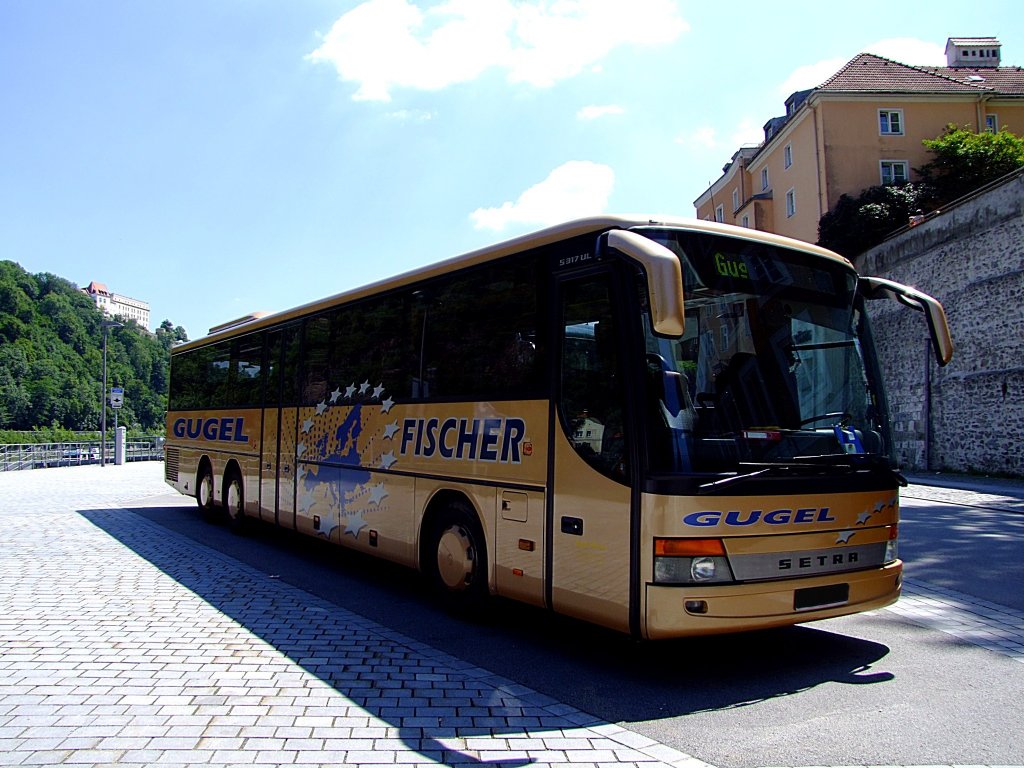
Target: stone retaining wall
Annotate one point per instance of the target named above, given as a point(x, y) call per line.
point(968, 416)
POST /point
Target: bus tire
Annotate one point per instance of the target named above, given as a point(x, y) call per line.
point(204, 494)
point(234, 502)
point(455, 559)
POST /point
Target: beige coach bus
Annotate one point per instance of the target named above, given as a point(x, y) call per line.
point(665, 427)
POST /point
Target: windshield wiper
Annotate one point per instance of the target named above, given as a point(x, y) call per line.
point(802, 466)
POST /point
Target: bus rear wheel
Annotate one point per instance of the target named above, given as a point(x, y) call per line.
point(456, 558)
point(234, 502)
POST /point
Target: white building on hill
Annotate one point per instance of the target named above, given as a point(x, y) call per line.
point(115, 305)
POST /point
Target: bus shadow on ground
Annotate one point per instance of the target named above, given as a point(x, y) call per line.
point(368, 629)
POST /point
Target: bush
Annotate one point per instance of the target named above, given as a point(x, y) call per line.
point(859, 223)
point(965, 161)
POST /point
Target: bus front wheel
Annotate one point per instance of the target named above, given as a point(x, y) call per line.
point(204, 494)
point(456, 560)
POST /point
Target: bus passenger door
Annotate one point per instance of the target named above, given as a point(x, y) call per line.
point(590, 518)
point(280, 426)
point(268, 465)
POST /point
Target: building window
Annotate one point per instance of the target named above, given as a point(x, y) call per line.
point(746, 221)
point(787, 155)
point(719, 214)
point(790, 203)
point(894, 172)
point(992, 123)
point(890, 122)
point(764, 179)
point(735, 200)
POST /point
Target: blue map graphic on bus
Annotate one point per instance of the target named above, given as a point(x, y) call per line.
point(343, 486)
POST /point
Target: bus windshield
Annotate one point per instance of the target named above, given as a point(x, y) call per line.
point(774, 366)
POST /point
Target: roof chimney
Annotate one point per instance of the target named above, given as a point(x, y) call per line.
point(972, 52)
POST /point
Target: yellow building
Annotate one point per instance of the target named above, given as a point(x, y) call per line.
point(862, 127)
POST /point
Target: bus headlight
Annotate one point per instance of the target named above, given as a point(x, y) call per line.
point(690, 561)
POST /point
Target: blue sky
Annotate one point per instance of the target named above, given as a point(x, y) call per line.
point(217, 157)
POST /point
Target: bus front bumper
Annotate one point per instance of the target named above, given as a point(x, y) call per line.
point(678, 611)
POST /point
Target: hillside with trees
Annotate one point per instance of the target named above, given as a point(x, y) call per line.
point(51, 359)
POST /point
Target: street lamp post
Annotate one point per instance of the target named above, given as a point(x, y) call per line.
point(107, 325)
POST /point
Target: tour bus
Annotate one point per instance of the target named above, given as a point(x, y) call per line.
point(665, 427)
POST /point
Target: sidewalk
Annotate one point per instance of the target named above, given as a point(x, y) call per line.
point(123, 645)
point(970, 490)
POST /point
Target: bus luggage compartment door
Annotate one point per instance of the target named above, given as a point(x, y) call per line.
point(519, 545)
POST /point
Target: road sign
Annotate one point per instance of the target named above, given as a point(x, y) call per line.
point(116, 397)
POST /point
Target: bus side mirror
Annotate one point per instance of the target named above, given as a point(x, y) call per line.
point(664, 279)
point(938, 328)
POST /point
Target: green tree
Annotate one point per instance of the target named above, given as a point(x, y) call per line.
point(965, 161)
point(858, 223)
point(51, 341)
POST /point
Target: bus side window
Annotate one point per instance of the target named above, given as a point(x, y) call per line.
point(591, 396)
point(316, 350)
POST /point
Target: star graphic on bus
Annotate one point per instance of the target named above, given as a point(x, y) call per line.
point(300, 449)
point(388, 460)
point(307, 425)
point(387, 405)
point(845, 537)
point(350, 390)
point(335, 395)
point(306, 501)
point(354, 525)
point(863, 517)
point(364, 387)
point(321, 407)
point(377, 494)
point(328, 529)
point(390, 430)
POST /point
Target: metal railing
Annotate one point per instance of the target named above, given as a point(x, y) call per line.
point(40, 455)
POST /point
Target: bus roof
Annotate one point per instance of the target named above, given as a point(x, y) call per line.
point(596, 224)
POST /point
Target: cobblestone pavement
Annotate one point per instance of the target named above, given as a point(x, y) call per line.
point(995, 627)
point(122, 644)
point(986, 493)
point(109, 657)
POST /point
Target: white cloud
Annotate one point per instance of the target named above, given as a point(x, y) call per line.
point(746, 133)
point(594, 112)
point(704, 137)
point(906, 50)
point(576, 188)
point(811, 75)
point(411, 115)
point(909, 50)
point(386, 44)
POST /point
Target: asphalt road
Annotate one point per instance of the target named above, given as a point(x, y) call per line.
point(873, 689)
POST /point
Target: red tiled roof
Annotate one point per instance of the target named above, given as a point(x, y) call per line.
point(95, 288)
point(1003, 80)
point(868, 73)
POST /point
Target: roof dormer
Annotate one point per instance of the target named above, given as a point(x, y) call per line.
point(973, 52)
